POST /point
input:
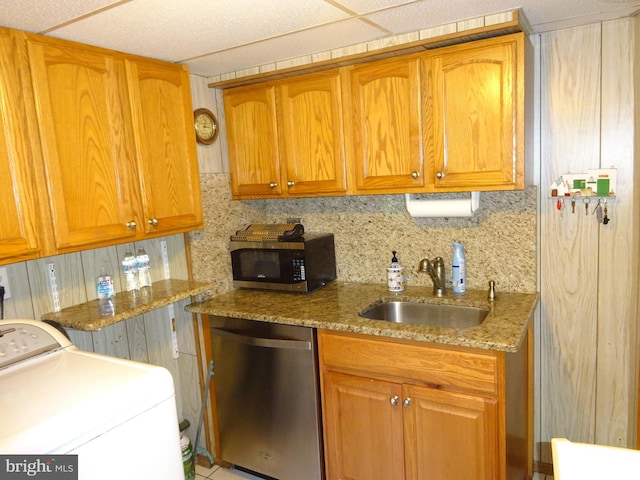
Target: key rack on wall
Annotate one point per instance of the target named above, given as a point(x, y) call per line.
point(593, 192)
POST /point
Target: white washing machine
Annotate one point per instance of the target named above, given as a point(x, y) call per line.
point(117, 415)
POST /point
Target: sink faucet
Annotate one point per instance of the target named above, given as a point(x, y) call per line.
point(435, 269)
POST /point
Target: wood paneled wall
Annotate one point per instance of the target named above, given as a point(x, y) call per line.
point(146, 338)
point(588, 272)
point(636, 197)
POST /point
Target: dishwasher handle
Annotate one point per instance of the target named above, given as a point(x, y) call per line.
point(262, 342)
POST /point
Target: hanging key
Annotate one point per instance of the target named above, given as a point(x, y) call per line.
point(605, 220)
point(586, 206)
point(573, 205)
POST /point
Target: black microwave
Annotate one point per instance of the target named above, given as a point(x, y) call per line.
point(302, 265)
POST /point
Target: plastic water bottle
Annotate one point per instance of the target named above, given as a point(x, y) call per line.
point(130, 269)
point(106, 292)
point(144, 274)
point(104, 286)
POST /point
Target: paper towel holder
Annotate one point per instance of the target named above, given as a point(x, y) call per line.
point(459, 207)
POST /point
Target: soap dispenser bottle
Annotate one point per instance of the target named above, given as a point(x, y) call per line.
point(395, 275)
point(459, 268)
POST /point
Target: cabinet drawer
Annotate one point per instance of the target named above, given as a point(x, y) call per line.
point(446, 367)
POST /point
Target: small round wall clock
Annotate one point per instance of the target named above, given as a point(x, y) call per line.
point(206, 126)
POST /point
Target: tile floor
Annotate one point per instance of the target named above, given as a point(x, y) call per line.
point(218, 473)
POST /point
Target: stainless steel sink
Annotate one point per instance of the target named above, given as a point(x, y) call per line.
point(426, 314)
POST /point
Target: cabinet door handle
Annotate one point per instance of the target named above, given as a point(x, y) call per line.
point(415, 175)
point(290, 183)
point(273, 184)
point(132, 225)
point(153, 222)
point(394, 400)
point(439, 175)
point(406, 402)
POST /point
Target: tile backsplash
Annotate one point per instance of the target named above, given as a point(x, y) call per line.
point(500, 239)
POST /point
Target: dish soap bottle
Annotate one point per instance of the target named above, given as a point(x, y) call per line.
point(395, 275)
point(459, 268)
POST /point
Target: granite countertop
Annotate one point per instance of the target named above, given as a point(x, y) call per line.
point(336, 307)
point(96, 314)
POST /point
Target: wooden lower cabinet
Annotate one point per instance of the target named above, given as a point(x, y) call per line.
point(395, 410)
point(449, 435)
point(363, 429)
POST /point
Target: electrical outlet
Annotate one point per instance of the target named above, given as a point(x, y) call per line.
point(4, 281)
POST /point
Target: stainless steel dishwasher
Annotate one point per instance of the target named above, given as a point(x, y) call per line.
point(266, 379)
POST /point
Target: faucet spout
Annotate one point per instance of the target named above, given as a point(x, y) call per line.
point(435, 269)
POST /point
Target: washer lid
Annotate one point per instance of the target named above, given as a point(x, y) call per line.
point(56, 402)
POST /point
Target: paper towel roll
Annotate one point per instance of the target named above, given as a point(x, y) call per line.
point(455, 207)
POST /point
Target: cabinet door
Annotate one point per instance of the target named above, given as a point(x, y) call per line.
point(362, 428)
point(167, 161)
point(19, 216)
point(450, 436)
point(312, 134)
point(385, 125)
point(86, 149)
point(475, 100)
point(252, 137)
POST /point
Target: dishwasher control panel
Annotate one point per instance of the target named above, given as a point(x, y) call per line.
point(22, 340)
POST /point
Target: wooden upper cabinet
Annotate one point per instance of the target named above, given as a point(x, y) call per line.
point(451, 119)
point(286, 138)
point(84, 124)
point(252, 137)
point(311, 134)
point(21, 232)
point(118, 144)
point(167, 162)
point(474, 115)
point(384, 126)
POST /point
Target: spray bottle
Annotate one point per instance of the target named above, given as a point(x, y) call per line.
point(395, 275)
point(459, 268)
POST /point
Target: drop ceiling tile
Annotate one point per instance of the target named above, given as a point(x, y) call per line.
point(366, 6)
point(190, 28)
point(229, 32)
point(40, 15)
point(307, 42)
point(426, 14)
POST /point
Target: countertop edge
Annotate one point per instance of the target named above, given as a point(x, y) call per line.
point(505, 331)
point(97, 314)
